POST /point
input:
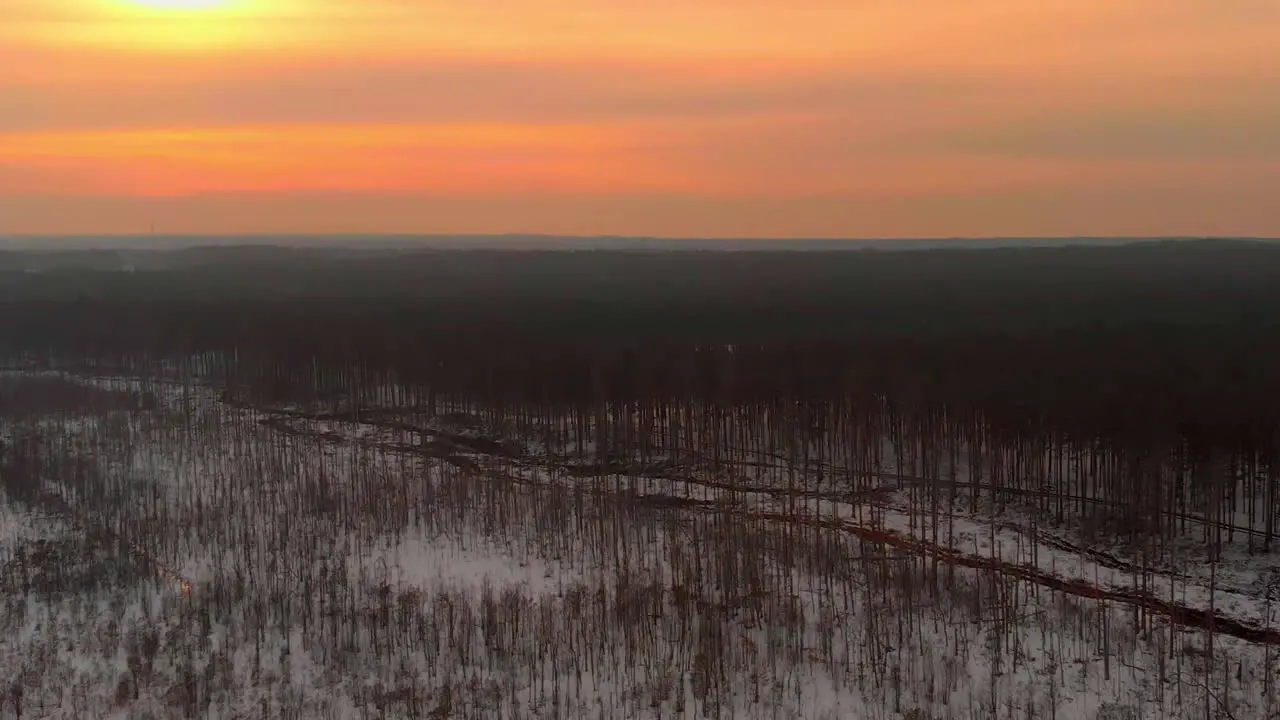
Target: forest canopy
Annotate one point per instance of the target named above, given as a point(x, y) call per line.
point(1159, 339)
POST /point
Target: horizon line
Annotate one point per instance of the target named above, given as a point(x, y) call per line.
point(554, 236)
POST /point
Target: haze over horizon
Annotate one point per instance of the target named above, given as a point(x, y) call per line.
point(823, 359)
point(994, 118)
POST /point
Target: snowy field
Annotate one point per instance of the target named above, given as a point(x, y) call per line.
point(165, 553)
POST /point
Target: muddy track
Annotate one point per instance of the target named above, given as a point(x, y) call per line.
point(876, 495)
point(671, 471)
point(1181, 615)
point(1177, 614)
point(1102, 559)
point(443, 447)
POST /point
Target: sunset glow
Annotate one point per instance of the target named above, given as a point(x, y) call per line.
point(178, 4)
point(1041, 114)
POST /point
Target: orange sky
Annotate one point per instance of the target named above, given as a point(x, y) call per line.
point(651, 117)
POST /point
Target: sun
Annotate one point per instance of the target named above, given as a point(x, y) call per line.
point(179, 4)
point(171, 25)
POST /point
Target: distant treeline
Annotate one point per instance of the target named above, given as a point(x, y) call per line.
point(1146, 343)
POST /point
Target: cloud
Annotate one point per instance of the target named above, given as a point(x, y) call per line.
point(43, 93)
point(439, 159)
point(1191, 210)
point(916, 105)
point(719, 157)
point(1237, 126)
point(445, 90)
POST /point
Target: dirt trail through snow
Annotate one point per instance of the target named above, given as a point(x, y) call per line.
point(464, 456)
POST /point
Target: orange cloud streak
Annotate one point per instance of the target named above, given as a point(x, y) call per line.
point(788, 105)
point(699, 158)
point(439, 159)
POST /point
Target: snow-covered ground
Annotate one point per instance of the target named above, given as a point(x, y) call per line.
point(199, 559)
